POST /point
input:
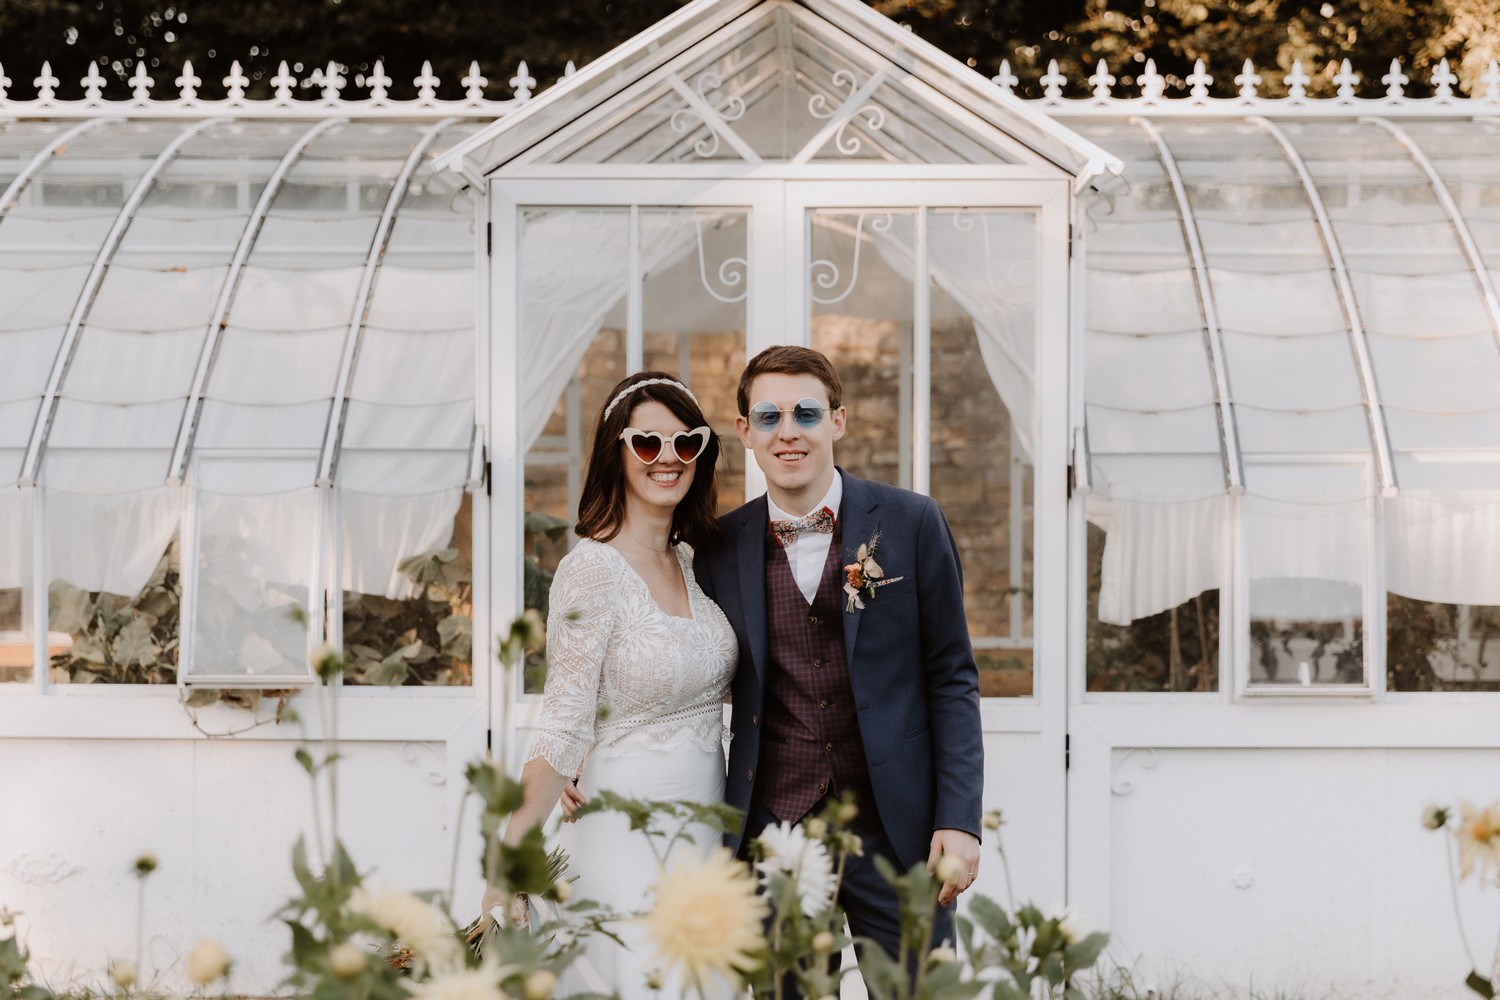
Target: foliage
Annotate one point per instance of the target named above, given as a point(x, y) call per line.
point(15, 978)
point(1422, 634)
point(1077, 33)
point(427, 638)
point(1472, 847)
point(115, 639)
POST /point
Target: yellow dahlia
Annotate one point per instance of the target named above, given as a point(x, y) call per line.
point(708, 917)
point(1479, 840)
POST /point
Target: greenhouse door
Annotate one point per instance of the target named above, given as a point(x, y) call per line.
point(944, 305)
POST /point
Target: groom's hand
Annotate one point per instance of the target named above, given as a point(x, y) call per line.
point(955, 857)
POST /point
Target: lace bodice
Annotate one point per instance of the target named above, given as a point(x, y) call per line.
point(621, 672)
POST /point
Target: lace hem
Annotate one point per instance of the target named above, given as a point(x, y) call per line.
point(663, 740)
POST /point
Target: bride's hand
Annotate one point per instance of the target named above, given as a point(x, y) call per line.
point(506, 907)
point(572, 799)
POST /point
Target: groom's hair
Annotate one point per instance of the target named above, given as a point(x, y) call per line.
point(785, 359)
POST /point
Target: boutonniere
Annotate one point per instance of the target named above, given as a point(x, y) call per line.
point(864, 574)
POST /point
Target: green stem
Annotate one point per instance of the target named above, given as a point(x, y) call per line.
point(140, 923)
point(1458, 917)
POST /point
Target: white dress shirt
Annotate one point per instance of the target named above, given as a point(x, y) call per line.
point(809, 551)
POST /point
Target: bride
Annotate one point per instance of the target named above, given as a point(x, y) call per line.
point(639, 661)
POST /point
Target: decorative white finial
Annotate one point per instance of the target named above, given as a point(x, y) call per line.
point(5, 83)
point(283, 81)
point(1297, 81)
point(46, 83)
point(474, 83)
point(1102, 80)
point(188, 83)
point(378, 81)
point(141, 84)
point(1346, 78)
point(426, 83)
point(1153, 84)
point(1005, 78)
point(569, 69)
point(1199, 80)
point(523, 82)
point(1248, 81)
point(93, 83)
point(1395, 80)
point(236, 82)
point(1443, 79)
point(1053, 81)
point(333, 81)
point(1491, 81)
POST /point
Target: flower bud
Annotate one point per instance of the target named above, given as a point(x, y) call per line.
point(816, 828)
point(847, 813)
point(1434, 817)
point(124, 974)
point(950, 870)
point(822, 942)
point(346, 960)
point(536, 636)
point(941, 955)
point(145, 864)
point(653, 979)
point(992, 820)
point(207, 961)
point(539, 985)
point(562, 890)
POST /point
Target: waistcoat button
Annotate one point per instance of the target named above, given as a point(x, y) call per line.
point(828, 747)
point(749, 775)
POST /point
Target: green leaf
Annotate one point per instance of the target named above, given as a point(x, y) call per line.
point(392, 671)
point(134, 644)
point(1008, 991)
point(305, 759)
point(541, 523)
point(1085, 953)
point(300, 869)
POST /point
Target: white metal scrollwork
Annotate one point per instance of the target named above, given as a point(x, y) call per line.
point(845, 141)
point(1147, 762)
point(825, 274)
point(703, 111)
point(732, 271)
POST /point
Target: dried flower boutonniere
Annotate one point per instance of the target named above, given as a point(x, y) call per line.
point(864, 575)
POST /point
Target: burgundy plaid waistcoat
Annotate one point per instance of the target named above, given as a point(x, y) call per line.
point(811, 745)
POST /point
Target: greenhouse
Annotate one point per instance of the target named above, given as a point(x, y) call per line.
point(1208, 389)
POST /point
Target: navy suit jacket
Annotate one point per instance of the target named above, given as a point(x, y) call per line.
point(916, 688)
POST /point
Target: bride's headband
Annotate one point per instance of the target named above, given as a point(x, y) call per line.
point(650, 381)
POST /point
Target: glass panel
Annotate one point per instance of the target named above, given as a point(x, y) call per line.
point(694, 313)
point(776, 83)
point(1431, 646)
point(1176, 650)
point(110, 638)
point(15, 576)
point(983, 272)
point(419, 628)
point(255, 572)
point(575, 274)
point(1308, 559)
point(862, 287)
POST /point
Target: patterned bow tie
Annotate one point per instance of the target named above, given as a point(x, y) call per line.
point(820, 520)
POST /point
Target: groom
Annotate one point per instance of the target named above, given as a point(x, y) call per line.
point(855, 672)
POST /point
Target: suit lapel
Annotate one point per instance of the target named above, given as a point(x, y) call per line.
point(857, 514)
point(750, 554)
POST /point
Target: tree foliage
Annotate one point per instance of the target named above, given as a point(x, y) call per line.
point(308, 35)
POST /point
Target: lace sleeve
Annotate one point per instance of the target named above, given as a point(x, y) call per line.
point(580, 617)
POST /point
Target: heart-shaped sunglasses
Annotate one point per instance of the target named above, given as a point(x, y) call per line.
point(649, 446)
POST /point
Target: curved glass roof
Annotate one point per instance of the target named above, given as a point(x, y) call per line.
point(1316, 294)
point(292, 298)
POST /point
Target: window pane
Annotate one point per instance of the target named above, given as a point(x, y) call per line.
point(255, 564)
point(105, 638)
point(982, 267)
point(15, 643)
point(1176, 650)
point(860, 280)
point(1432, 646)
point(1308, 560)
point(419, 630)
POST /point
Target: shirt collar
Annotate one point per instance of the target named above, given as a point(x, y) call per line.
point(831, 500)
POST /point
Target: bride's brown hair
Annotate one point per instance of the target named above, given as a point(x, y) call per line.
point(601, 510)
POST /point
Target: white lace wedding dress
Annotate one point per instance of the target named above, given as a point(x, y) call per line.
point(641, 694)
